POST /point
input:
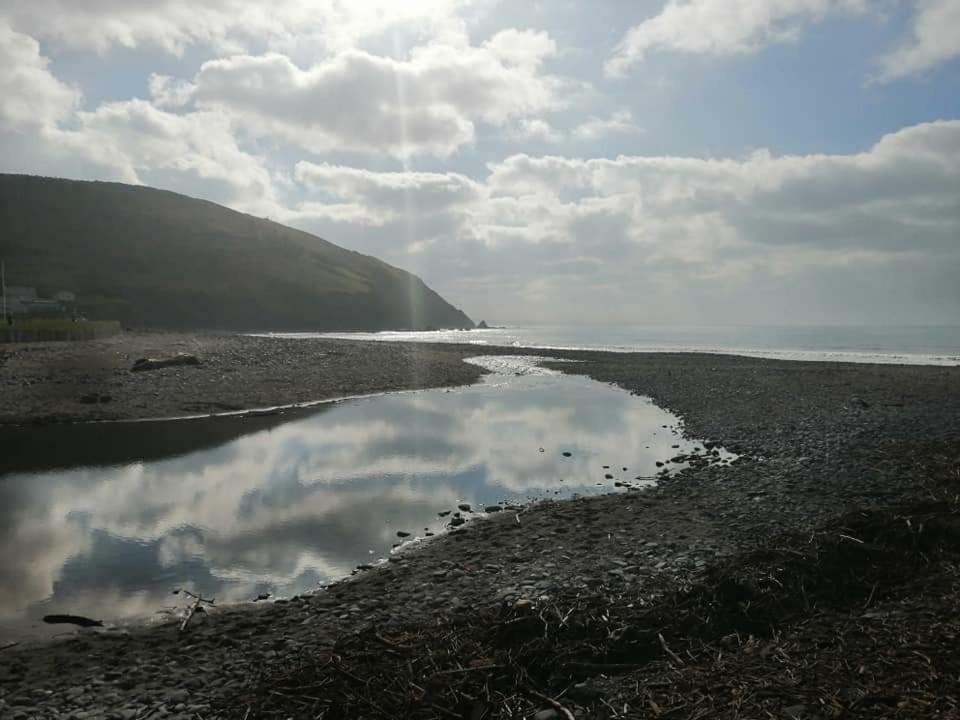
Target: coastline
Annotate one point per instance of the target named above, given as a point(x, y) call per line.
point(820, 441)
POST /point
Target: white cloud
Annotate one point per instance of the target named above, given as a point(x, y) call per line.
point(43, 130)
point(535, 129)
point(169, 92)
point(550, 238)
point(30, 96)
point(619, 123)
point(383, 197)
point(935, 38)
point(428, 103)
point(174, 25)
point(722, 27)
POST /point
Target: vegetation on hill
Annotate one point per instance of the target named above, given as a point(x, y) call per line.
point(154, 258)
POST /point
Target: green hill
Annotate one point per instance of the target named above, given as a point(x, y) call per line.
point(154, 258)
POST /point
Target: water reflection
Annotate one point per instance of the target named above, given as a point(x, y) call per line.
point(285, 507)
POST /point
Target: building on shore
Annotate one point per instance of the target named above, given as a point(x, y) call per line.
point(23, 301)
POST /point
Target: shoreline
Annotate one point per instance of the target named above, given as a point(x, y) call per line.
point(820, 440)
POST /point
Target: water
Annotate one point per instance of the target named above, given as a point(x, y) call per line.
point(110, 518)
point(903, 345)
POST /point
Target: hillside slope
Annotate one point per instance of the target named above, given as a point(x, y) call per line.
point(155, 258)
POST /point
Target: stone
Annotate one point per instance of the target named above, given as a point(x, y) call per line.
point(493, 508)
point(402, 534)
point(179, 359)
point(465, 507)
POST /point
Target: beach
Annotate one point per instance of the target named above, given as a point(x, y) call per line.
point(653, 603)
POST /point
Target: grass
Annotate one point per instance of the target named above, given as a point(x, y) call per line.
point(57, 329)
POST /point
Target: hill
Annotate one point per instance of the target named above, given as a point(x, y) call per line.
point(155, 258)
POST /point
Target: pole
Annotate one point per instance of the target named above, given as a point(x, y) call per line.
point(3, 283)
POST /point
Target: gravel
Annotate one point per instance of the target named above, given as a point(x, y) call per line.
point(814, 439)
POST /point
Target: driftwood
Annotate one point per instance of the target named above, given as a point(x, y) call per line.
point(71, 620)
point(157, 363)
point(194, 607)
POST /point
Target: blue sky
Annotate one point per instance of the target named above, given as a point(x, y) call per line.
point(636, 161)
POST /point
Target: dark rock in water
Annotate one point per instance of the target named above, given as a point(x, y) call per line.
point(444, 513)
point(493, 508)
point(262, 596)
point(364, 566)
point(157, 363)
point(659, 464)
point(542, 450)
point(624, 469)
point(71, 620)
point(464, 506)
point(457, 521)
point(402, 534)
point(566, 454)
point(675, 446)
point(608, 476)
point(606, 467)
point(482, 325)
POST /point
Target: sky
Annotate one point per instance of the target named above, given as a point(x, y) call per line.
point(545, 162)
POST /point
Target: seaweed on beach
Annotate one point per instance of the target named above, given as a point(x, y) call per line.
point(854, 620)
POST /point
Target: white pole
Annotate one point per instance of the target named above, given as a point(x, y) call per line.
point(3, 282)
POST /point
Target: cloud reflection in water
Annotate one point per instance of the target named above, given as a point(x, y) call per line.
point(282, 509)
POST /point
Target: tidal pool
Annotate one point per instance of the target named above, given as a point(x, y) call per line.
point(113, 517)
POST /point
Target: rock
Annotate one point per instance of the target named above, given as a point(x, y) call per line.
point(464, 506)
point(608, 476)
point(156, 363)
point(72, 620)
point(402, 534)
point(457, 521)
point(444, 513)
point(659, 464)
point(566, 453)
point(483, 325)
point(493, 508)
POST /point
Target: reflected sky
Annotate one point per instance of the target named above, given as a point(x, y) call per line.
point(285, 508)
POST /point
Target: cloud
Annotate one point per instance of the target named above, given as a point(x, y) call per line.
point(30, 96)
point(426, 104)
point(536, 129)
point(722, 27)
point(175, 25)
point(619, 122)
point(934, 39)
point(549, 237)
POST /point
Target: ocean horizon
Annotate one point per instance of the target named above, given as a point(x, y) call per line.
point(906, 345)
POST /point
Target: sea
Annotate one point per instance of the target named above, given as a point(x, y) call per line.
point(906, 345)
